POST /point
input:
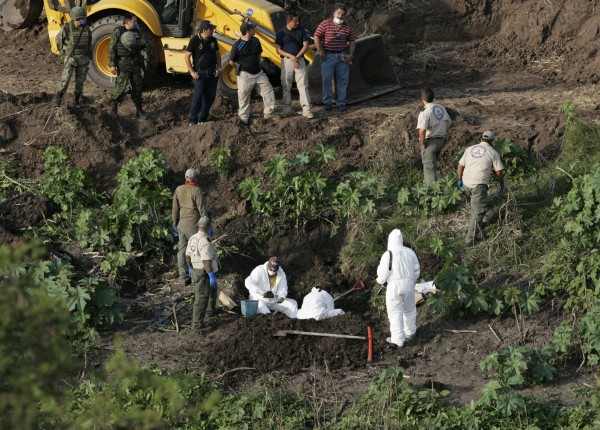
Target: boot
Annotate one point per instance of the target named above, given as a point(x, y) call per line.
point(75, 104)
point(113, 113)
point(139, 112)
point(58, 101)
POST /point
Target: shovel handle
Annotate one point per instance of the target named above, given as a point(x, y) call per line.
point(360, 285)
point(312, 333)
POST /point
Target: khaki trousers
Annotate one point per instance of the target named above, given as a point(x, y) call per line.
point(246, 83)
point(288, 73)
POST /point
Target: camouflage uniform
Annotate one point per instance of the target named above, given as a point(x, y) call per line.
point(129, 66)
point(75, 46)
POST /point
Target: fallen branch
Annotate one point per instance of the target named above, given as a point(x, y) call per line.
point(21, 111)
point(461, 331)
point(175, 318)
point(235, 370)
point(494, 333)
point(565, 172)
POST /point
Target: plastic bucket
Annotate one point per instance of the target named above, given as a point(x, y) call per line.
point(249, 307)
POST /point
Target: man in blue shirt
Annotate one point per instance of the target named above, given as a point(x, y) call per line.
point(292, 42)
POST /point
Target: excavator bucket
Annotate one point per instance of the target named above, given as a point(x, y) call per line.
point(371, 73)
point(15, 14)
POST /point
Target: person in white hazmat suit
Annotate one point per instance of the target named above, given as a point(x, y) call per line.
point(268, 284)
point(401, 274)
point(318, 304)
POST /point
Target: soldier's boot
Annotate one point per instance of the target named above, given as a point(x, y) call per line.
point(58, 100)
point(114, 112)
point(139, 112)
point(76, 103)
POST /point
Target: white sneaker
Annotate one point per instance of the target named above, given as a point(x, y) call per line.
point(270, 116)
point(389, 340)
point(308, 115)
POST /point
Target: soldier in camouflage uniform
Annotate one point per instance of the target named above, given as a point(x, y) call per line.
point(125, 61)
point(74, 42)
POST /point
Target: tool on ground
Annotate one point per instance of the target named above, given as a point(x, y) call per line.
point(370, 339)
point(360, 285)
point(283, 333)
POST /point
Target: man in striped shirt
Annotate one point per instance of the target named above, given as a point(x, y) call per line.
point(336, 43)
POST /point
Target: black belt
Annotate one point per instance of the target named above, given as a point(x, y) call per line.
point(334, 52)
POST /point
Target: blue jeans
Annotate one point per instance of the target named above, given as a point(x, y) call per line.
point(334, 66)
point(205, 90)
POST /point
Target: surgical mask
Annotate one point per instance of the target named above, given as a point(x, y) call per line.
point(271, 272)
point(338, 21)
point(135, 26)
point(83, 21)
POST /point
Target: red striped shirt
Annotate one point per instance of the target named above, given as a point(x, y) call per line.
point(334, 37)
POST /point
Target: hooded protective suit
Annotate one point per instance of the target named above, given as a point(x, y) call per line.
point(318, 304)
point(258, 284)
point(401, 279)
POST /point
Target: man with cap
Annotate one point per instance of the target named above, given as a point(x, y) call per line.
point(203, 49)
point(188, 208)
point(292, 42)
point(268, 284)
point(125, 61)
point(474, 171)
point(201, 255)
point(74, 43)
point(336, 43)
point(246, 53)
point(433, 122)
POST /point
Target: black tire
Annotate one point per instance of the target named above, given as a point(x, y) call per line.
point(102, 30)
point(228, 79)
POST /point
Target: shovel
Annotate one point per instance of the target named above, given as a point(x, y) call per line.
point(360, 285)
point(283, 333)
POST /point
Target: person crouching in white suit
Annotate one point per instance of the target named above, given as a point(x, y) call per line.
point(268, 284)
point(399, 267)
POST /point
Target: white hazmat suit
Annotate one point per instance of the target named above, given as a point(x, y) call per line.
point(258, 284)
point(400, 294)
point(318, 304)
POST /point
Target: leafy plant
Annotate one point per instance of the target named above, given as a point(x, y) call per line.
point(440, 196)
point(222, 161)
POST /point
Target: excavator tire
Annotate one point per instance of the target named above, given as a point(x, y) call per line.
point(228, 79)
point(15, 14)
point(99, 72)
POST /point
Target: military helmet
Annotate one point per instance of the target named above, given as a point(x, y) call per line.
point(78, 13)
point(129, 40)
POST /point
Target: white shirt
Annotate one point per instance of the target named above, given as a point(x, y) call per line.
point(434, 120)
point(478, 161)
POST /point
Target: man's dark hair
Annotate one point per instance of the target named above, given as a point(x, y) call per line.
point(427, 94)
point(340, 6)
point(128, 17)
point(290, 16)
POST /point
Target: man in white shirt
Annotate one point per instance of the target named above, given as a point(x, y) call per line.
point(433, 122)
point(474, 170)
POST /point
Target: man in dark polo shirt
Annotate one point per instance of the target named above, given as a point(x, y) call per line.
point(246, 52)
point(292, 42)
point(336, 43)
point(205, 70)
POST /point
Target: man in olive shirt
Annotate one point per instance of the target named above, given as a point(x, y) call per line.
point(188, 208)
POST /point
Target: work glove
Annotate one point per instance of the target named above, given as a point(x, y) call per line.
point(211, 233)
point(280, 300)
point(268, 295)
point(212, 280)
point(460, 184)
point(501, 187)
point(190, 270)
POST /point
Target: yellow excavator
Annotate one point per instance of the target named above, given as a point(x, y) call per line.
point(166, 26)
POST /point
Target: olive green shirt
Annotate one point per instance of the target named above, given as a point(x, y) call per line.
point(188, 206)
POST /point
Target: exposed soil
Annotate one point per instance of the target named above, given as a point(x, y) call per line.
point(500, 65)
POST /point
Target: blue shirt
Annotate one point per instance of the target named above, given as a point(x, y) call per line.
point(288, 43)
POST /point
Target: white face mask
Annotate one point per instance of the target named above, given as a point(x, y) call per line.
point(271, 273)
point(338, 21)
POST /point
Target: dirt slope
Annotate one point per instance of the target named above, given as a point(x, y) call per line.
point(500, 65)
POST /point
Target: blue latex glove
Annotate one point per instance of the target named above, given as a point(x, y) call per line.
point(501, 188)
point(211, 233)
point(190, 270)
point(174, 228)
point(460, 184)
point(213, 280)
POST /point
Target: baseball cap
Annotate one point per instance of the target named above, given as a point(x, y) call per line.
point(489, 135)
point(204, 221)
point(247, 25)
point(205, 25)
point(273, 264)
point(192, 173)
